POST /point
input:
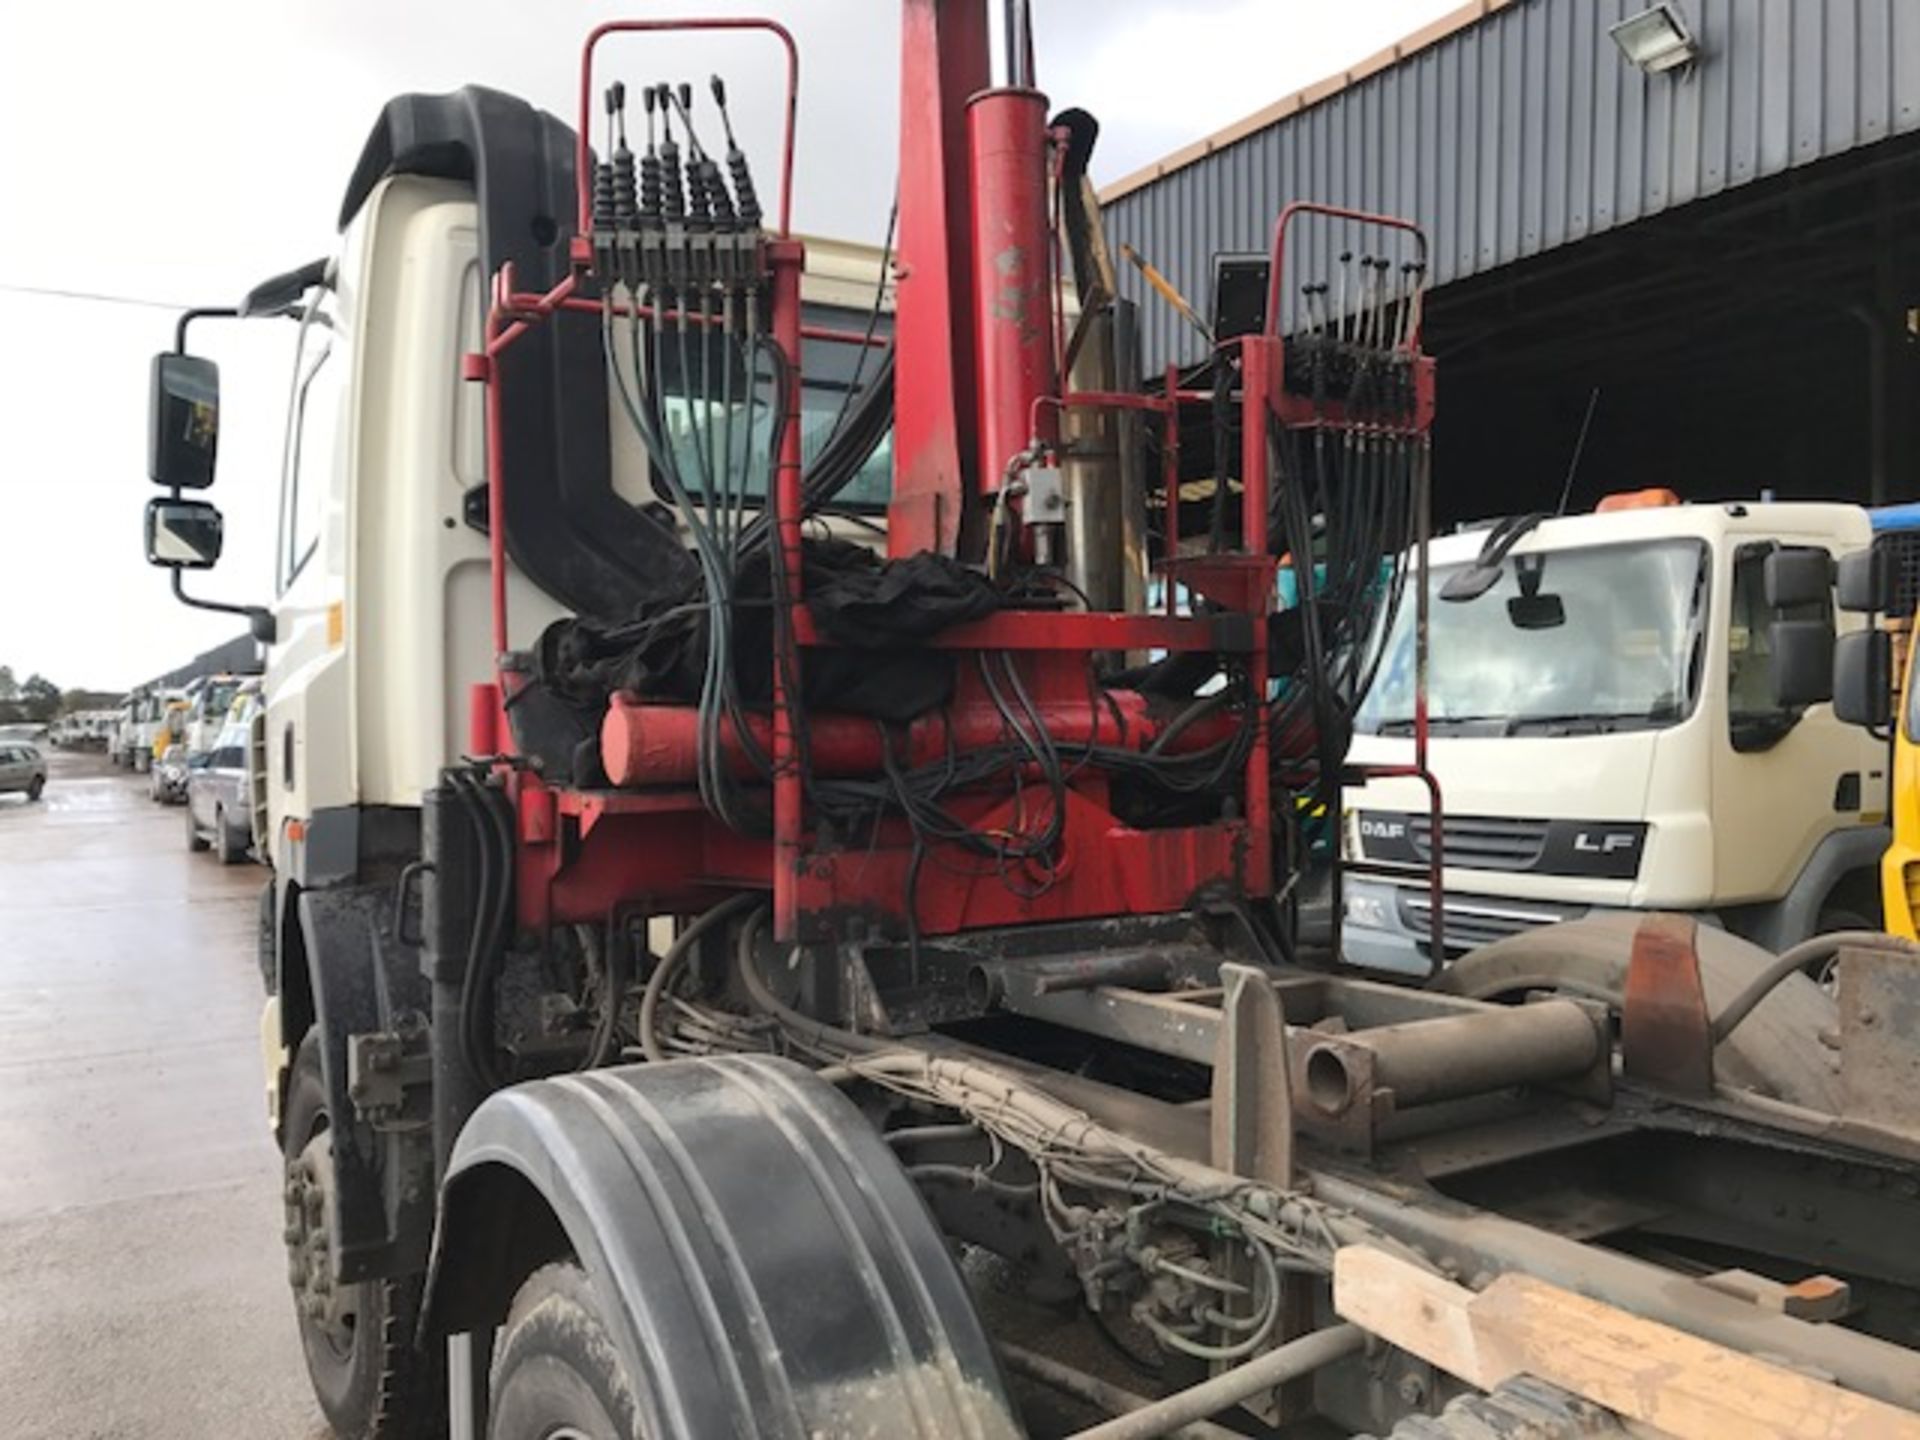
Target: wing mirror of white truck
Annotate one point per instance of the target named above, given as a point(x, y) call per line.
point(1863, 658)
point(1797, 579)
point(1863, 582)
point(1796, 575)
point(1802, 662)
point(1863, 678)
point(183, 534)
point(183, 421)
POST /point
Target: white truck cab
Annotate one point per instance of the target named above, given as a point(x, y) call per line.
point(210, 697)
point(131, 741)
point(381, 617)
point(1606, 736)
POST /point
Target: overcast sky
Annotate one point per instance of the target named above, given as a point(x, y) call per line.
point(175, 153)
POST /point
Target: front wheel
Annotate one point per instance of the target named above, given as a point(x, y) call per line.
point(35, 787)
point(196, 842)
point(555, 1367)
point(370, 1379)
point(230, 850)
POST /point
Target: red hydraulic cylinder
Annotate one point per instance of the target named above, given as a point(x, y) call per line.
point(653, 744)
point(1012, 272)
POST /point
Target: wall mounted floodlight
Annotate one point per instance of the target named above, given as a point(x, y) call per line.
point(1656, 40)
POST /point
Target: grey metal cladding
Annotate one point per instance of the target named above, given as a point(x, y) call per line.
point(1527, 129)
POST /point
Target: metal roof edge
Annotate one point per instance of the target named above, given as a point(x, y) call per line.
point(1428, 35)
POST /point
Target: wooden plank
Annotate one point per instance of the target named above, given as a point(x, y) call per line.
point(1647, 1372)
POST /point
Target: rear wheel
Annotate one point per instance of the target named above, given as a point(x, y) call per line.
point(370, 1379)
point(556, 1370)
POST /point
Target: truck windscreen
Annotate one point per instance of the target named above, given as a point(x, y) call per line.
point(711, 379)
point(1566, 642)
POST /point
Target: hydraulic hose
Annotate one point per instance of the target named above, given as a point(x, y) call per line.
point(1807, 952)
point(809, 1030)
point(675, 957)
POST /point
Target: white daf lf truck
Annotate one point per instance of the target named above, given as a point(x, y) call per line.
point(1608, 733)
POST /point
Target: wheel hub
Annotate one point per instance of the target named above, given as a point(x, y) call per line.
point(323, 1302)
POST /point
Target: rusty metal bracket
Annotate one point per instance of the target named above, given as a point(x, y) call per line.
point(1666, 1034)
point(1252, 1088)
point(1878, 992)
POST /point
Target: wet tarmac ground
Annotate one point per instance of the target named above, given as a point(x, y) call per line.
point(142, 1284)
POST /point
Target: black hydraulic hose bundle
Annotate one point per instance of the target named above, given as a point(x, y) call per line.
point(492, 831)
point(1345, 509)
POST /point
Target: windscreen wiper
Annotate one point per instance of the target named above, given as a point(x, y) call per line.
point(1604, 722)
point(1403, 724)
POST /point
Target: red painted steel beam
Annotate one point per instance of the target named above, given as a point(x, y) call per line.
point(943, 60)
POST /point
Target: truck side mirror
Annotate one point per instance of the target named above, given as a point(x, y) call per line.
point(1797, 575)
point(1863, 582)
point(1863, 678)
point(183, 534)
point(1802, 660)
point(183, 421)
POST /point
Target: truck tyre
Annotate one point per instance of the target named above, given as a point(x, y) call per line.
point(224, 846)
point(196, 842)
point(555, 1368)
point(370, 1379)
point(1777, 1052)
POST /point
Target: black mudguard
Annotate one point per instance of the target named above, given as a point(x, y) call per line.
point(363, 980)
point(768, 1266)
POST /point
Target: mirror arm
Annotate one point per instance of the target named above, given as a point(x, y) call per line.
point(259, 618)
point(204, 312)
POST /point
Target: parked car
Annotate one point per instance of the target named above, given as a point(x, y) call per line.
point(219, 810)
point(22, 767)
point(167, 777)
point(167, 781)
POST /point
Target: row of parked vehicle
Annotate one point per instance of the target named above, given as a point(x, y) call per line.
point(196, 745)
point(85, 730)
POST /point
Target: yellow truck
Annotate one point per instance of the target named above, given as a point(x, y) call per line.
point(1900, 870)
point(1884, 582)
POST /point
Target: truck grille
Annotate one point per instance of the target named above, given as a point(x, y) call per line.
point(1468, 924)
point(1903, 556)
point(1481, 843)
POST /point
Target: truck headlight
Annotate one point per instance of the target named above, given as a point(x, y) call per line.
point(1367, 911)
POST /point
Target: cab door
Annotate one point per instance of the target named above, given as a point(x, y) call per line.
point(1785, 777)
point(306, 670)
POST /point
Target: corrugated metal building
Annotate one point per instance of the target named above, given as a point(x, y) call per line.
point(238, 656)
point(1720, 250)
